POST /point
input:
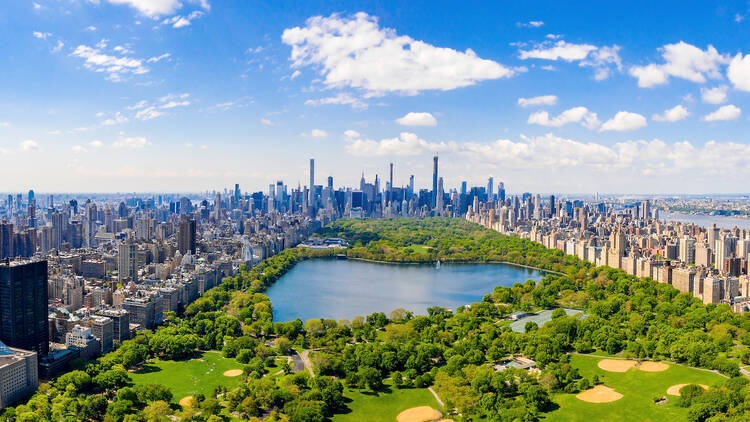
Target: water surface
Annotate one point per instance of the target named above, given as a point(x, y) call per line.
point(338, 289)
point(722, 221)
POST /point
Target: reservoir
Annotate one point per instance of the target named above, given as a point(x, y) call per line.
point(343, 289)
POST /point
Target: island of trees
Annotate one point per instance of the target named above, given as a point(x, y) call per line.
point(453, 352)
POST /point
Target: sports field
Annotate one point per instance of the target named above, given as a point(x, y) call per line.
point(189, 377)
point(385, 406)
point(638, 388)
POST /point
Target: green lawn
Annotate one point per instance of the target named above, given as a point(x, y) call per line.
point(421, 248)
point(384, 407)
point(189, 377)
point(638, 388)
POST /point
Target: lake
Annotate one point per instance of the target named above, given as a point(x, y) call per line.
point(343, 289)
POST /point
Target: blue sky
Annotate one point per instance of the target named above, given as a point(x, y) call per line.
point(180, 95)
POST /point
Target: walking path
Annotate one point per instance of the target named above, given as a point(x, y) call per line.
point(436, 396)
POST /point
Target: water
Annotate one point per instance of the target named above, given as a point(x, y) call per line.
point(338, 289)
point(722, 221)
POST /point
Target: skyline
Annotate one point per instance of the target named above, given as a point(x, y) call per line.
point(169, 96)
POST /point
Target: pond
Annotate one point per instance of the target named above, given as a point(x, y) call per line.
point(338, 289)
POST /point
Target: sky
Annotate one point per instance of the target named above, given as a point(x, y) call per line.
point(550, 97)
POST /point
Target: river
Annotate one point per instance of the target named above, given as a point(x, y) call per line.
point(338, 289)
point(721, 221)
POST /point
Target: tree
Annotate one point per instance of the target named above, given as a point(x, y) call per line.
point(114, 378)
point(157, 411)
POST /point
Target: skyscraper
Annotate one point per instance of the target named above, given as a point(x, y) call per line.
point(186, 236)
point(311, 191)
point(490, 186)
point(434, 181)
point(390, 185)
point(23, 306)
point(127, 268)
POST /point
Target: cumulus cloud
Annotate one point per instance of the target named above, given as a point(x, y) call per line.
point(354, 51)
point(179, 21)
point(530, 24)
point(537, 101)
point(266, 122)
point(681, 60)
point(157, 58)
point(674, 114)
point(115, 67)
point(739, 72)
point(715, 95)
point(579, 114)
point(351, 134)
point(117, 119)
point(156, 8)
point(149, 113)
point(339, 99)
point(624, 121)
point(29, 145)
point(417, 119)
point(136, 142)
point(723, 113)
point(601, 59)
point(406, 144)
point(41, 35)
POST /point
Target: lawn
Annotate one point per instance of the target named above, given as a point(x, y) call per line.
point(638, 388)
point(189, 377)
point(421, 248)
point(385, 406)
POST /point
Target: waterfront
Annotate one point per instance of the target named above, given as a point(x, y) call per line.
point(338, 289)
point(703, 220)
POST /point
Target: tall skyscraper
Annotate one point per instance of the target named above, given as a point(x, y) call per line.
point(6, 240)
point(501, 192)
point(311, 191)
point(236, 195)
point(490, 187)
point(186, 236)
point(411, 185)
point(127, 269)
point(390, 185)
point(435, 181)
point(23, 306)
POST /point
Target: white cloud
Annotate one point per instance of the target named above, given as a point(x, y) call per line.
point(295, 74)
point(58, 47)
point(417, 119)
point(406, 144)
point(351, 134)
point(204, 147)
point(601, 59)
point(674, 114)
point(579, 114)
point(530, 24)
point(173, 104)
point(158, 58)
point(117, 119)
point(266, 122)
point(139, 105)
point(136, 142)
point(29, 145)
point(41, 35)
point(156, 8)
point(341, 99)
point(356, 52)
point(715, 95)
point(723, 113)
point(739, 72)
point(681, 60)
point(149, 113)
point(315, 133)
point(624, 121)
point(78, 149)
point(537, 101)
point(181, 21)
point(116, 67)
point(91, 28)
point(96, 144)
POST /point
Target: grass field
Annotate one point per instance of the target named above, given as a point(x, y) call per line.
point(384, 407)
point(189, 377)
point(638, 388)
point(421, 248)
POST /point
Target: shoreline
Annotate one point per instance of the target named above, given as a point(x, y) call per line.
point(375, 261)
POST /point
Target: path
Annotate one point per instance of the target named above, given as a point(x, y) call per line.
point(306, 360)
point(436, 397)
point(297, 363)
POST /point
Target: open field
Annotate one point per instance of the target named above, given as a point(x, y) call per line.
point(189, 377)
point(385, 406)
point(638, 389)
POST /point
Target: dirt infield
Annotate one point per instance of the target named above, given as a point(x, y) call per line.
point(185, 401)
point(616, 365)
point(419, 414)
point(233, 373)
point(675, 389)
point(599, 394)
point(653, 366)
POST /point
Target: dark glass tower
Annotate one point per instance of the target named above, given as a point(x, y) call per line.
point(23, 306)
point(435, 182)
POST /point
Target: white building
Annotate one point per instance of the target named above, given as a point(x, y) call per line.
point(18, 374)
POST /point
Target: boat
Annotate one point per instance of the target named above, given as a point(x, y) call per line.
point(437, 265)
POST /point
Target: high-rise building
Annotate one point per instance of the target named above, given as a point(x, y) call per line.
point(186, 236)
point(311, 191)
point(490, 186)
point(127, 268)
point(434, 181)
point(6, 240)
point(19, 374)
point(23, 305)
point(501, 192)
point(390, 185)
